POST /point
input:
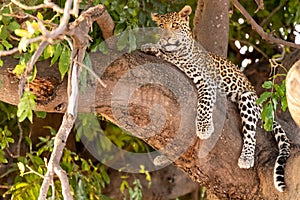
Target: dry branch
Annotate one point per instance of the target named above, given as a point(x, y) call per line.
point(78, 30)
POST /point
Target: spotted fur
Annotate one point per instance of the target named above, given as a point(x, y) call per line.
point(210, 72)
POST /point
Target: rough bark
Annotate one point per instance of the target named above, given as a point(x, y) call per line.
point(211, 25)
point(218, 170)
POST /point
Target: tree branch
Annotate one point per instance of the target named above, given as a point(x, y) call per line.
point(79, 32)
point(268, 37)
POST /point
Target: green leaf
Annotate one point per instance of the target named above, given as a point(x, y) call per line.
point(123, 41)
point(119, 28)
point(104, 174)
point(267, 116)
point(3, 32)
point(1, 63)
point(19, 69)
point(103, 48)
point(32, 75)
point(57, 53)
point(84, 165)
point(26, 106)
point(6, 44)
point(13, 26)
point(40, 114)
point(64, 62)
point(279, 90)
point(49, 51)
point(284, 104)
point(132, 42)
point(267, 85)
point(263, 97)
point(275, 101)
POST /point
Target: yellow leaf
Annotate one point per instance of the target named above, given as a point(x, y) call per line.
point(40, 16)
point(22, 33)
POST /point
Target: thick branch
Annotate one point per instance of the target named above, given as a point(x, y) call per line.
point(218, 170)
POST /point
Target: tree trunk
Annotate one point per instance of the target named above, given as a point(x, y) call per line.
point(169, 123)
point(211, 25)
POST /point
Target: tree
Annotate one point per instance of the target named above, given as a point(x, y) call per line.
point(219, 175)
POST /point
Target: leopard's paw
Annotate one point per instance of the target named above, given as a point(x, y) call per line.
point(246, 161)
point(205, 131)
point(150, 48)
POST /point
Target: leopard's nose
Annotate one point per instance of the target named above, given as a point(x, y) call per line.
point(167, 33)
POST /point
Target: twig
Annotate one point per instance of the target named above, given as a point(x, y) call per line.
point(20, 138)
point(64, 21)
point(5, 187)
point(268, 37)
point(264, 21)
point(47, 4)
point(9, 52)
point(36, 56)
point(15, 50)
point(93, 73)
point(31, 171)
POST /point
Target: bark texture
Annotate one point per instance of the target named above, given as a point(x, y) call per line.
point(211, 25)
point(217, 169)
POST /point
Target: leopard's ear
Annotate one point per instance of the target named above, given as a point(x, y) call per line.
point(185, 11)
point(155, 17)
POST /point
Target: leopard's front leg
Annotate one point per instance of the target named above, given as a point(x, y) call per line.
point(206, 100)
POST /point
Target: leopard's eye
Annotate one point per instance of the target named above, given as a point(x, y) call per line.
point(175, 25)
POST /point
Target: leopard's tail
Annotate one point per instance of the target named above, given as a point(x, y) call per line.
point(284, 153)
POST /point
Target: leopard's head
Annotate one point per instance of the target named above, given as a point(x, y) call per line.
point(175, 26)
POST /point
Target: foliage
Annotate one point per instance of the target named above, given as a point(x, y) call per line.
point(270, 99)
point(86, 178)
point(8, 121)
point(135, 192)
point(131, 14)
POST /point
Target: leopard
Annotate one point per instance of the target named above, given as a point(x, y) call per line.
point(209, 72)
